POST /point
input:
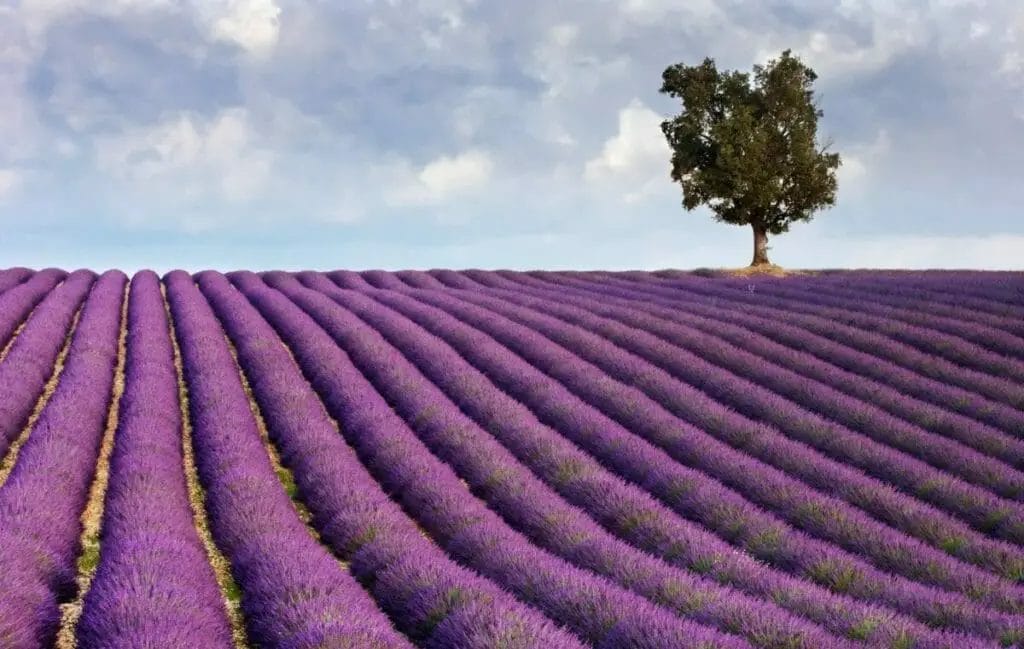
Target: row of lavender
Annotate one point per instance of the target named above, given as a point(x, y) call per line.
point(387, 281)
point(153, 586)
point(43, 496)
point(710, 379)
point(497, 503)
point(569, 552)
point(912, 597)
point(627, 511)
point(686, 378)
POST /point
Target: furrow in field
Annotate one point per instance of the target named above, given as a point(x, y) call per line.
point(623, 385)
point(831, 350)
point(419, 279)
point(11, 277)
point(409, 576)
point(230, 593)
point(450, 279)
point(42, 501)
point(382, 279)
point(151, 585)
point(92, 516)
point(30, 372)
point(283, 473)
point(740, 347)
point(351, 279)
point(294, 593)
point(696, 495)
point(993, 387)
point(18, 305)
point(1000, 334)
point(622, 327)
point(526, 503)
point(946, 455)
point(593, 607)
point(999, 290)
point(948, 293)
point(971, 344)
point(14, 450)
point(622, 508)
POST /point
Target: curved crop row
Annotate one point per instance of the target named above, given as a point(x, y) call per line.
point(595, 609)
point(11, 277)
point(29, 363)
point(410, 576)
point(17, 303)
point(973, 344)
point(821, 403)
point(999, 333)
point(453, 279)
point(831, 350)
point(761, 404)
point(621, 507)
point(350, 279)
point(986, 288)
point(509, 488)
point(154, 584)
point(294, 593)
point(694, 492)
point(929, 327)
point(874, 342)
point(414, 278)
point(979, 303)
point(657, 318)
point(43, 498)
point(381, 279)
point(1005, 284)
point(569, 353)
point(698, 496)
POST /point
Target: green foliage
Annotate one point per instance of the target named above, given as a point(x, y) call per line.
point(745, 145)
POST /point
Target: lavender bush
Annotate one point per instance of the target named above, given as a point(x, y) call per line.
point(294, 593)
point(42, 499)
point(153, 584)
point(482, 459)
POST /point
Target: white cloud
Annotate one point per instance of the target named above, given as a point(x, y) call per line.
point(190, 158)
point(652, 11)
point(637, 156)
point(38, 15)
point(858, 161)
point(253, 25)
point(447, 175)
point(440, 179)
point(9, 181)
point(835, 55)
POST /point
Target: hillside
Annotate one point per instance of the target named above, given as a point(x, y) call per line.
point(499, 459)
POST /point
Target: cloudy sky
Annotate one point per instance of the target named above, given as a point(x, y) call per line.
point(458, 133)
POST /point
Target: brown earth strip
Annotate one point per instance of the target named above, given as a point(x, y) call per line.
point(7, 465)
point(14, 336)
point(284, 474)
point(275, 458)
point(92, 517)
point(229, 589)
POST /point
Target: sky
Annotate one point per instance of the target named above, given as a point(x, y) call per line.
point(492, 134)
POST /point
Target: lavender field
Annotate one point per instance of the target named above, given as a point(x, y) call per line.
point(485, 460)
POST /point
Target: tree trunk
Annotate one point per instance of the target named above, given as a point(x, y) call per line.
point(760, 246)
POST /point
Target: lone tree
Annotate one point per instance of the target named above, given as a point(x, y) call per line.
point(747, 147)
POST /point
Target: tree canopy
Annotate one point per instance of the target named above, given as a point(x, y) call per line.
point(746, 145)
